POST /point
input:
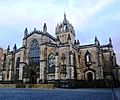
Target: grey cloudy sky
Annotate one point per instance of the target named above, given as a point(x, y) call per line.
point(90, 18)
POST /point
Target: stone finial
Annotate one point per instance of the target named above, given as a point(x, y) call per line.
point(110, 42)
point(78, 42)
point(8, 49)
point(15, 47)
point(64, 16)
point(75, 42)
point(34, 29)
point(96, 41)
point(45, 28)
point(96, 38)
point(25, 32)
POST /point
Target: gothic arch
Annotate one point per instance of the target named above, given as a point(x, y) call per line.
point(88, 58)
point(89, 74)
point(34, 53)
point(51, 63)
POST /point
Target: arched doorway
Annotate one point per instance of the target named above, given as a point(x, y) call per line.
point(33, 76)
point(89, 76)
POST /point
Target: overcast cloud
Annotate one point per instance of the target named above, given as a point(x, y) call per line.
point(90, 18)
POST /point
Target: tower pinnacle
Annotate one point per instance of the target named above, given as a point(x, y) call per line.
point(25, 32)
point(110, 42)
point(64, 15)
point(44, 28)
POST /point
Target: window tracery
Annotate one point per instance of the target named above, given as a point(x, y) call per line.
point(34, 53)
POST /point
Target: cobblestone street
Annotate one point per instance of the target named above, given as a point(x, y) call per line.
point(58, 94)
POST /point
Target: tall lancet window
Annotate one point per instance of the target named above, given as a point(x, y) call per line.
point(34, 53)
point(17, 68)
point(51, 63)
point(88, 58)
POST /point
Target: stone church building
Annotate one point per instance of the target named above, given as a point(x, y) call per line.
point(44, 58)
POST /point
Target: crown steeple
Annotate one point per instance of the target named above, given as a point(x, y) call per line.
point(65, 31)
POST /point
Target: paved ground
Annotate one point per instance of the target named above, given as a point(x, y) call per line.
point(117, 93)
point(59, 94)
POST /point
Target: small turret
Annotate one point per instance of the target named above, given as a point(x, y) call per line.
point(110, 42)
point(75, 42)
point(65, 21)
point(45, 28)
point(25, 32)
point(64, 16)
point(78, 42)
point(34, 29)
point(96, 41)
point(14, 48)
point(96, 38)
point(8, 49)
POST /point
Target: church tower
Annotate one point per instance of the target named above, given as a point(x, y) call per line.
point(65, 52)
point(65, 31)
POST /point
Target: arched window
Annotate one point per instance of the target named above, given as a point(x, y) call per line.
point(17, 68)
point(88, 58)
point(34, 53)
point(51, 63)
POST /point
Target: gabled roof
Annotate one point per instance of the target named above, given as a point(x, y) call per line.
point(87, 46)
point(40, 33)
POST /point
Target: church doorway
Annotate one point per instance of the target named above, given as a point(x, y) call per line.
point(33, 77)
point(89, 76)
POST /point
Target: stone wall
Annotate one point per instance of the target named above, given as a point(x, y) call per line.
point(42, 86)
point(94, 62)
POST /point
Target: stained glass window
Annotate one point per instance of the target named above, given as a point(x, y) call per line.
point(34, 53)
